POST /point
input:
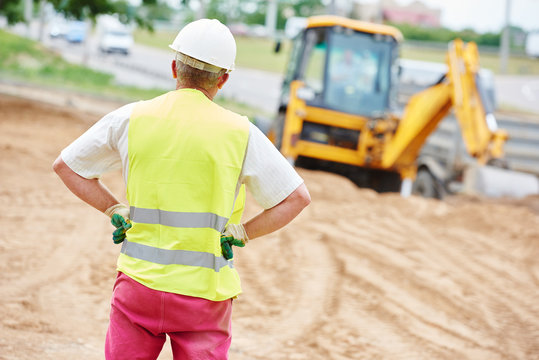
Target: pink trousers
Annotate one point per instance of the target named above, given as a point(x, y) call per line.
point(140, 319)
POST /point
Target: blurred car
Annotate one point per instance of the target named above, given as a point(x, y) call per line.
point(76, 32)
point(58, 28)
point(117, 40)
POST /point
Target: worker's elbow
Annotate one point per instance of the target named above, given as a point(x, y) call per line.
point(303, 198)
point(58, 165)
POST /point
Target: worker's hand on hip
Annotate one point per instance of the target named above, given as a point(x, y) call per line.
point(234, 235)
point(119, 217)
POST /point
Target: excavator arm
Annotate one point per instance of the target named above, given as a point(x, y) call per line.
point(480, 132)
point(460, 90)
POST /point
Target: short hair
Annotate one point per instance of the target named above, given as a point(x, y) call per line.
point(191, 76)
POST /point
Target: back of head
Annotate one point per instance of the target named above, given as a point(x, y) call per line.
point(205, 50)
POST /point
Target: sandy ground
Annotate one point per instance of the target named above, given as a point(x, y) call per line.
point(357, 276)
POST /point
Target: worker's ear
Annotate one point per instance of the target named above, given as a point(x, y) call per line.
point(222, 80)
point(174, 75)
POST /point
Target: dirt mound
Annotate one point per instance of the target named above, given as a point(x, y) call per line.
point(358, 275)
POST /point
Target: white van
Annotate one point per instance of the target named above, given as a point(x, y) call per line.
point(116, 39)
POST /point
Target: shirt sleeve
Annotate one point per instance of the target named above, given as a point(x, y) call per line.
point(267, 174)
point(96, 151)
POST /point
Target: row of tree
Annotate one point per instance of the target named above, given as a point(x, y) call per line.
point(247, 11)
point(443, 35)
point(254, 11)
point(14, 10)
point(231, 11)
point(412, 32)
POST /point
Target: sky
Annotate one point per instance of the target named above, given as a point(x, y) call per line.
point(483, 15)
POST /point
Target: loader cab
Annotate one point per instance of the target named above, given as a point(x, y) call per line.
point(345, 66)
point(339, 93)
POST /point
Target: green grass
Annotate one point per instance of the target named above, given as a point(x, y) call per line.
point(258, 54)
point(159, 38)
point(252, 53)
point(239, 107)
point(25, 60)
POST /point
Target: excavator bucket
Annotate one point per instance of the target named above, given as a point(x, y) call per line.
point(336, 108)
point(491, 181)
point(483, 139)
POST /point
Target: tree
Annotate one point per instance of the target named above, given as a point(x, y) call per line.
point(299, 8)
point(82, 9)
point(87, 9)
point(13, 10)
point(444, 35)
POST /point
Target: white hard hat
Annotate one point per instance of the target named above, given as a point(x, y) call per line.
point(208, 41)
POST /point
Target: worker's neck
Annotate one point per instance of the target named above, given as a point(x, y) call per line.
point(209, 93)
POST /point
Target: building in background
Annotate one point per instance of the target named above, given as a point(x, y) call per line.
point(416, 13)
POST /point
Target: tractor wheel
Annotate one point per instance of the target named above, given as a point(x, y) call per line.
point(425, 185)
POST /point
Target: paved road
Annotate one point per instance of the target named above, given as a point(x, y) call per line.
point(148, 67)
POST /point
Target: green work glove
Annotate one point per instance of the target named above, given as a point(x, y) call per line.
point(119, 217)
point(234, 234)
point(121, 225)
point(226, 246)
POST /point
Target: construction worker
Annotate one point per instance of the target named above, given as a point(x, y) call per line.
point(184, 159)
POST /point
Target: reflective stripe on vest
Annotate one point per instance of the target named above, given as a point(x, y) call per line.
point(178, 219)
point(174, 257)
point(185, 158)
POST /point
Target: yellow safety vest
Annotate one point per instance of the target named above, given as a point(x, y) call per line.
point(185, 158)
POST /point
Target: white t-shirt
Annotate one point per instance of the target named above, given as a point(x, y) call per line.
point(103, 148)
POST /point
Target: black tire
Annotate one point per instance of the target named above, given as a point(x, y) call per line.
point(310, 163)
point(385, 181)
point(426, 185)
point(381, 181)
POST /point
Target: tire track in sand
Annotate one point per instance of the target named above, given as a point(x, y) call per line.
point(462, 310)
point(289, 283)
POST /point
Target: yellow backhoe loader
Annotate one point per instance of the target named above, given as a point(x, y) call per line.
point(337, 107)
